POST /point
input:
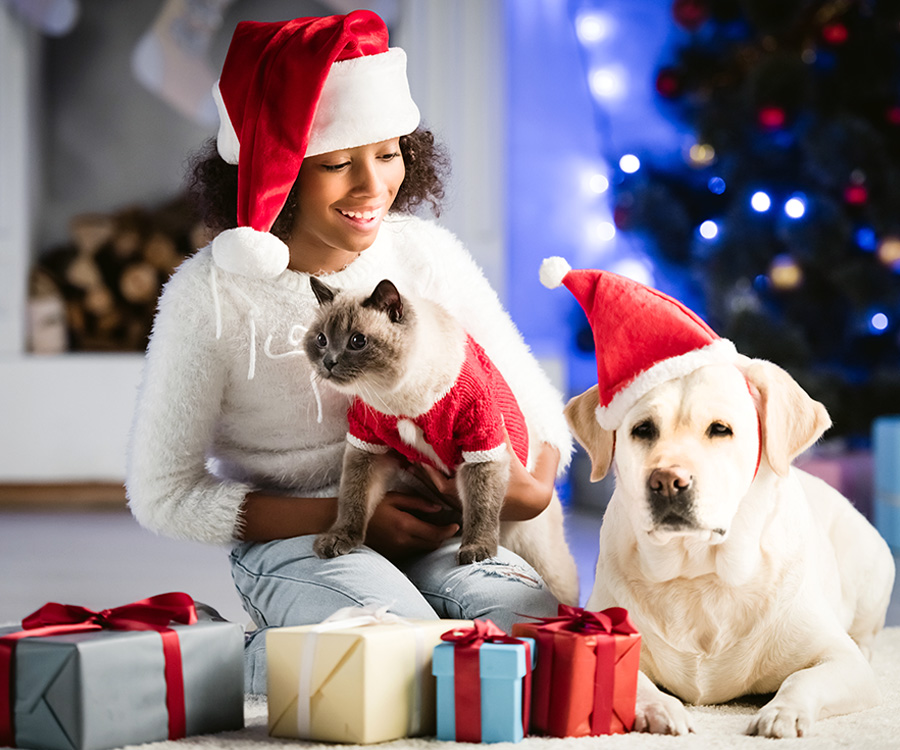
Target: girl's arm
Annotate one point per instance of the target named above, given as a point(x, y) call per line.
point(393, 529)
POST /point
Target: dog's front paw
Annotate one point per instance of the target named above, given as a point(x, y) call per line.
point(663, 714)
point(780, 720)
point(470, 553)
point(334, 544)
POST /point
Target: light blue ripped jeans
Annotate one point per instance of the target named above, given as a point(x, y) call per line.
point(284, 583)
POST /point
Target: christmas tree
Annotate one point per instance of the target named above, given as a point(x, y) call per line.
point(783, 219)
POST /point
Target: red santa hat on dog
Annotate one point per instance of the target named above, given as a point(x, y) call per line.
point(293, 89)
point(642, 337)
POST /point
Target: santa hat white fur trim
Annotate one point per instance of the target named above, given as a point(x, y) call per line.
point(721, 351)
point(553, 271)
point(247, 252)
point(364, 100)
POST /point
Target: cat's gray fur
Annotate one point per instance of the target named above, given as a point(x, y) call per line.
point(399, 358)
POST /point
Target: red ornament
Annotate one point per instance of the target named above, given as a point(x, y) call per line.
point(834, 34)
point(892, 115)
point(856, 195)
point(771, 117)
point(690, 14)
point(669, 83)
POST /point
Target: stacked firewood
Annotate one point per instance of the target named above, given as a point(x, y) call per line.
point(104, 283)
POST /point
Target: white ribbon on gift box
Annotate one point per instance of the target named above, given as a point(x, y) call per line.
point(355, 617)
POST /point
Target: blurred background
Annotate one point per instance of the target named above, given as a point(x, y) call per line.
point(741, 155)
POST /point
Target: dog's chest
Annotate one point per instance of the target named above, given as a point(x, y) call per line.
point(703, 643)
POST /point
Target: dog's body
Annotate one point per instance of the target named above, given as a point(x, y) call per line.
point(743, 574)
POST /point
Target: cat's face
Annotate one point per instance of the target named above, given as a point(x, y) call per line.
point(360, 343)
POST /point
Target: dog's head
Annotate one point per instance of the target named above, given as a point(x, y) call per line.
point(687, 452)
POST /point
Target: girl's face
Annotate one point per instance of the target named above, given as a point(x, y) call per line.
point(342, 199)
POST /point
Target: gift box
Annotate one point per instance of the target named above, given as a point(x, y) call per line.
point(73, 679)
point(360, 677)
point(585, 681)
point(483, 684)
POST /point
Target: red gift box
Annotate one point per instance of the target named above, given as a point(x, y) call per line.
point(585, 681)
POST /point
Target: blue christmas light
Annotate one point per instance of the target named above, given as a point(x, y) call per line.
point(716, 185)
point(629, 164)
point(866, 239)
point(709, 230)
point(760, 201)
point(795, 206)
point(879, 323)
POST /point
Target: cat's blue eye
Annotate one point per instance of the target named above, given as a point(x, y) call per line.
point(358, 341)
point(321, 341)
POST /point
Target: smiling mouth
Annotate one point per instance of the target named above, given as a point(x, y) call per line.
point(360, 216)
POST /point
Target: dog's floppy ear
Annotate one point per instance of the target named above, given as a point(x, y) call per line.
point(599, 443)
point(791, 420)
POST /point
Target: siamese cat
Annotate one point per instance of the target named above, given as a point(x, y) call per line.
point(423, 388)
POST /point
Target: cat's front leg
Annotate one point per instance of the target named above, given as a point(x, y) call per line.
point(482, 488)
point(363, 482)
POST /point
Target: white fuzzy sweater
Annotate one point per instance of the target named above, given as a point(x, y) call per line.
point(227, 405)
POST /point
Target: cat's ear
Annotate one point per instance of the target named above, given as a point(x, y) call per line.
point(324, 293)
point(386, 298)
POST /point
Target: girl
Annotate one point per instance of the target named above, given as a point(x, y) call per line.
point(315, 170)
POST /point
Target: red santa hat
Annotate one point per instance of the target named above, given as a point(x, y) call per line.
point(299, 88)
point(642, 337)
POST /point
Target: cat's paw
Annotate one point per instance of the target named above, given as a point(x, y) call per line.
point(470, 553)
point(334, 544)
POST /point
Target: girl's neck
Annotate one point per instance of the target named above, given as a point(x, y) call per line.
point(323, 261)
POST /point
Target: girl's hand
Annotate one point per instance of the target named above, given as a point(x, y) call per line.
point(397, 531)
point(527, 494)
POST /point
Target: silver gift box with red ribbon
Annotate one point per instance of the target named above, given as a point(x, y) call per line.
point(105, 688)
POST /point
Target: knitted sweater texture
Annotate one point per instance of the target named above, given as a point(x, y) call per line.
point(227, 404)
point(466, 424)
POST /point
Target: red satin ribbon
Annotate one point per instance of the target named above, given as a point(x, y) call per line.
point(155, 613)
point(467, 676)
point(614, 620)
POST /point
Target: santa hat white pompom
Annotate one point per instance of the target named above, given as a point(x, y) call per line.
point(553, 271)
point(244, 251)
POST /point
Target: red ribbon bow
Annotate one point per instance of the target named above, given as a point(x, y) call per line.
point(613, 620)
point(467, 676)
point(155, 613)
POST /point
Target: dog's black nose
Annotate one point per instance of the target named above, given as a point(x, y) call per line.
point(670, 482)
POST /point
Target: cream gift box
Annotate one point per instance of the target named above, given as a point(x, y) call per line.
point(358, 678)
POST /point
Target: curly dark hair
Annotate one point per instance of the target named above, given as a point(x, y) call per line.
point(212, 184)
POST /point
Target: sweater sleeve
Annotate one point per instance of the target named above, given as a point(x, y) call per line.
point(170, 489)
point(458, 283)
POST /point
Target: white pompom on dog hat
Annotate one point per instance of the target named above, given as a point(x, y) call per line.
point(642, 337)
point(298, 88)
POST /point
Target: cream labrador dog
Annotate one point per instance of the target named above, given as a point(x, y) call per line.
point(744, 575)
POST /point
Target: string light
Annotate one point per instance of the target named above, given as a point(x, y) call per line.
point(889, 252)
point(795, 206)
point(709, 230)
point(760, 201)
point(701, 154)
point(629, 164)
point(879, 323)
point(784, 273)
point(598, 183)
point(607, 83)
point(716, 185)
point(592, 28)
point(606, 230)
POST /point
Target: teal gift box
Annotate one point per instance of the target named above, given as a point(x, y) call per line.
point(494, 679)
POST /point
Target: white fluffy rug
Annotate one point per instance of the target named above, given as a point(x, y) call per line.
point(716, 726)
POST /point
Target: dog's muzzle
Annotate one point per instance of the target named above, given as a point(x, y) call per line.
point(670, 493)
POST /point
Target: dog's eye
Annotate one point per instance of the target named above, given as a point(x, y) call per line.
point(645, 430)
point(718, 429)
